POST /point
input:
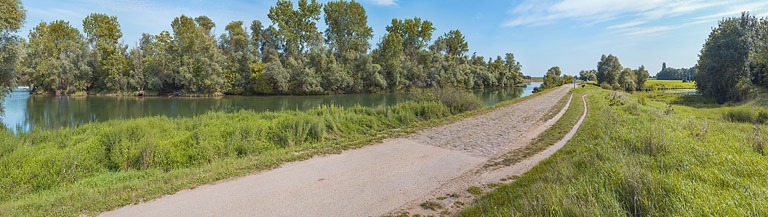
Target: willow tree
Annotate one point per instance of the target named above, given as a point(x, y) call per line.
point(348, 32)
point(103, 34)
point(55, 59)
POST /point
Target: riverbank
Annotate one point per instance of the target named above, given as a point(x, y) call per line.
point(99, 166)
point(647, 154)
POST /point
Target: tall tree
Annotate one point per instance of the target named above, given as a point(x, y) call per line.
point(103, 34)
point(11, 19)
point(724, 70)
point(348, 32)
point(236, 50)
point(452, 44)
point(552, 78)
point(197, 58)
point(297, 28)
point(416, 33)
point(642, 75)
point(390, 58)
point(56, 57)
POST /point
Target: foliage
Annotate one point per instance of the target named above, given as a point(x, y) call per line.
point(731, 62)
point(588, 75)
point(608, 70)
point(455, 99)
point(552, 78)
point(110, 70)
point(56, 59)
point(11, 20)
point(628, 80)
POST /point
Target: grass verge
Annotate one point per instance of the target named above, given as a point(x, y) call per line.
point(653, 159)
point(550, 136)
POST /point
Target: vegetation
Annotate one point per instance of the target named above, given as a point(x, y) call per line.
point(734, 60)
point(10, 45)
point(612, 76)
point(645, 158)
point(456, 100)
point(290, 56)
point(99, 166)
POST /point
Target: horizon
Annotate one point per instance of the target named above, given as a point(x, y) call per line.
point(541, 34)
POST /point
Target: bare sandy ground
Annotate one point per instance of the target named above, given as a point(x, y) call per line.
point(395, 175)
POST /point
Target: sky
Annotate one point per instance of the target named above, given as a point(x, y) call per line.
point(571, 34)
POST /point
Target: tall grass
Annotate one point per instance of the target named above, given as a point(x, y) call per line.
point(99, 166)
point(632, 159)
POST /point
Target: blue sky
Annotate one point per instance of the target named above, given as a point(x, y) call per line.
point(571, 34)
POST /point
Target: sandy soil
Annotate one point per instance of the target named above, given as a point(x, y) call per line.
point(394, 176)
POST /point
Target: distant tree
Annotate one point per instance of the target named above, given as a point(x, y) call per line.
point(641, 75)
point(628, 79)
point(588, 75)
point(416, 33)
point(608, 70)
point(390, 59)
point(552, 78)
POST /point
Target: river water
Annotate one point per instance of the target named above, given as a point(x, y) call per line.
point(23, 112)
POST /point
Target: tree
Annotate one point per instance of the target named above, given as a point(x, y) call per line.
point(588, 75)
point(390, 59)
point(608, 70)
point(103, 34)
point(416, 33)
point(724, 71)
point(235, 47)
point(11, 19)
point(348, 32)
point(641, 75)
point(195, 58)
point(451, 44)
point(628, 80)
point(297, 28)
point(552, 78)
point(56, 56)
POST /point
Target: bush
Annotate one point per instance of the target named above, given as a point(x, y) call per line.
point(456, 100)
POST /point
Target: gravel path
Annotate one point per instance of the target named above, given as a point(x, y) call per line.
point(397, 174)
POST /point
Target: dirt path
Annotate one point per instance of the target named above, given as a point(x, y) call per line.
point(397, 174)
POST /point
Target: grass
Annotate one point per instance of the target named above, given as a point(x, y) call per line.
point(475, 190)
point(660, 158)
point(652, 85)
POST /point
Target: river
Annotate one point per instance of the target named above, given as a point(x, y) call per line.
point(23, 112)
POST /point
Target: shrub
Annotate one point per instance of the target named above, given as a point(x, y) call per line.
point(455, 99)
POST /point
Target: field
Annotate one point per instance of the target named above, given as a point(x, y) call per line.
point(651, 85)
point(648, 154)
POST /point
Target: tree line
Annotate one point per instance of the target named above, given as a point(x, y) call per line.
point(669, 73)
point(290, 56)
point(733, 63)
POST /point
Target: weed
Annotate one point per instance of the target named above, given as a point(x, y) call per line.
point(758, 140)
point(475, 190)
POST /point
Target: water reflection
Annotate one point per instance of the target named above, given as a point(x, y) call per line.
point(24, 112)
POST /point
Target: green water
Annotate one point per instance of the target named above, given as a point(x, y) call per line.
point(23, 112)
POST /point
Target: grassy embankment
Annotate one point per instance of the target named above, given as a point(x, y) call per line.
point(637, 155)
point(101, 166)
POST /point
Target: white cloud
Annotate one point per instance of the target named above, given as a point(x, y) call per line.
point(627, 18)
point(384, 2)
